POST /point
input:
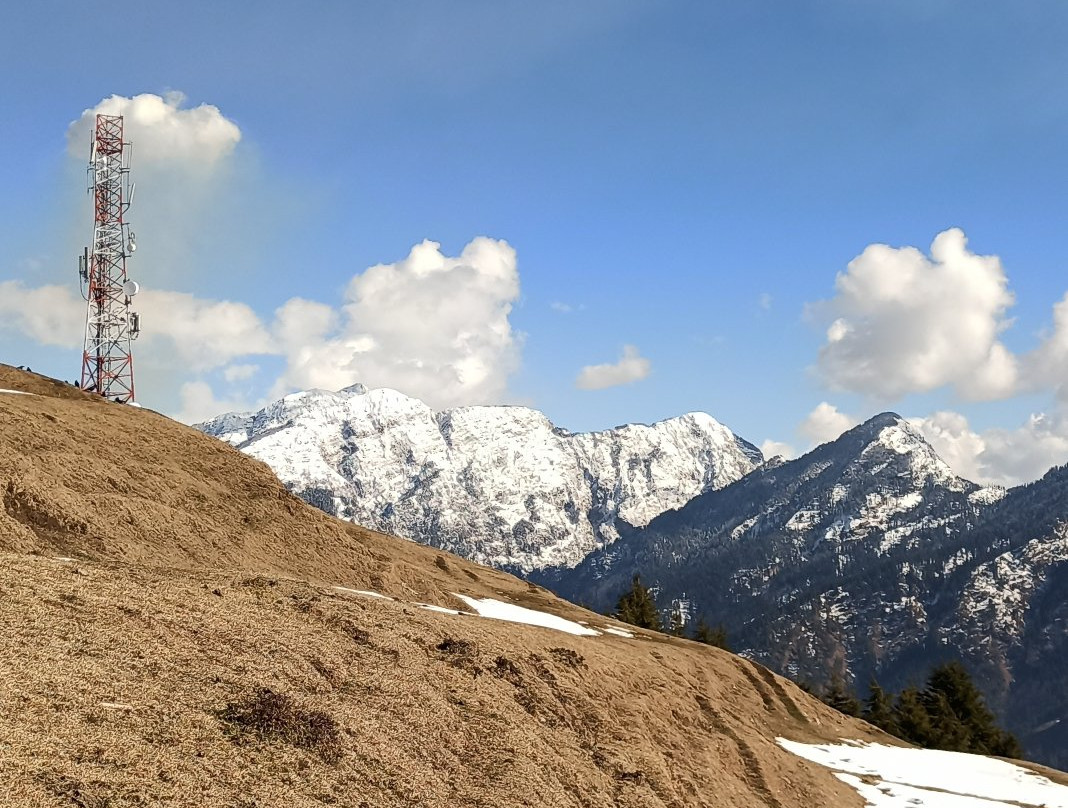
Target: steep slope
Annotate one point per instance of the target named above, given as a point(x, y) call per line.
point(499, 485)
point(81, 477)
point(868, 557)
point(151, 593)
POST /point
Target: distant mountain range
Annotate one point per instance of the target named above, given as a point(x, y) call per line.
point(865, 557)
point(502, 486)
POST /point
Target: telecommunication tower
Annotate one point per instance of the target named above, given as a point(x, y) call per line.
point(110, 326)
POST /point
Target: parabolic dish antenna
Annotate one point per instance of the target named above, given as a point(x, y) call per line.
point(130, 288)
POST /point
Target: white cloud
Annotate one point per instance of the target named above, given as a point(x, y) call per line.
point(998, 456)
point(1047, 366)
point(902, 322)
point(825, 423)
point(198, 207)
point(198, 403)
point(240, 373)
point(764, 301)
point(631, 367)
point(49, 315)
point(161, 131)
point(201, 334)
point(430, 325)
point(773, 448)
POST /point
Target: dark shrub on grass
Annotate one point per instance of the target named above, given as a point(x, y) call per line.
point(275, 716)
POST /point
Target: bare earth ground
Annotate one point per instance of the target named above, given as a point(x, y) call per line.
point(195, 580)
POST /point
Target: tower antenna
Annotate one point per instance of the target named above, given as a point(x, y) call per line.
point(110, 326)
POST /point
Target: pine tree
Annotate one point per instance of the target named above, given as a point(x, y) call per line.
point(960, 719)
point(703, 633)
point(838, 696)
point(879, 708)
point(913, 722)
point(638, 607)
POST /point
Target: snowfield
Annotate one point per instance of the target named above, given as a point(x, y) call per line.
point(899, 777)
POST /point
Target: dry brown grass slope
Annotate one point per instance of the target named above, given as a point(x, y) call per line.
point(130, 675)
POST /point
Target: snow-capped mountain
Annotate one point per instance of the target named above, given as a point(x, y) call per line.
point(867, 494)
point(500, 485)
point(869, 557)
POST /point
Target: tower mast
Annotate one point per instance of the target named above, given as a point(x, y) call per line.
point(107, 360)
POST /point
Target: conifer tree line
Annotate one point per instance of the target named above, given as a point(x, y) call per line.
point(948, 713)
point(637, 606)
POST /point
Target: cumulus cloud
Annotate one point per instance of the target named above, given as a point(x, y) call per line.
point(825, 423)
point(162, 132)
point(1047, 366)
point(631, 367)
point(201, 334)
point(49, 315)
point(198, 205)
point(433, 326)
point(199, 403)
point(998, 456)
point(773, 448)
point(902, 322)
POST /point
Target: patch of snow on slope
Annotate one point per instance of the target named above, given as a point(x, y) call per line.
point(988, 495)
point(995, 600)
point(927, 777)
point(499, 610)
point(804, 519)
point(744, 526)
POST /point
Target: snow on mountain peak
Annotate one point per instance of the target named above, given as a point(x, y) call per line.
point(499, 484)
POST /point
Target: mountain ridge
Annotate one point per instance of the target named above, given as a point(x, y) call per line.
point(501, 485)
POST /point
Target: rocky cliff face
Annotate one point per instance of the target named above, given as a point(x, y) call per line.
point(500, 485)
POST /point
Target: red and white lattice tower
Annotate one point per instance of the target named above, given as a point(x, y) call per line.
point(107, 362)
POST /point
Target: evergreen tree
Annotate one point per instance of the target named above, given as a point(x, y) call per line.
point(879, 708)
point(838, 696)
point(947, 730)
point(913, 722)
point(959, 716)
point(708, 635)
point(638, 607)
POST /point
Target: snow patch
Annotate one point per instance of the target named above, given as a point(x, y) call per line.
point(987, 496)
point(364, 592)
point(619, 632)
point(509, 612)
point(926, 777)
point(430, 607)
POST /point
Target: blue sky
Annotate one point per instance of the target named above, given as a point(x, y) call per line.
point(686, 178)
